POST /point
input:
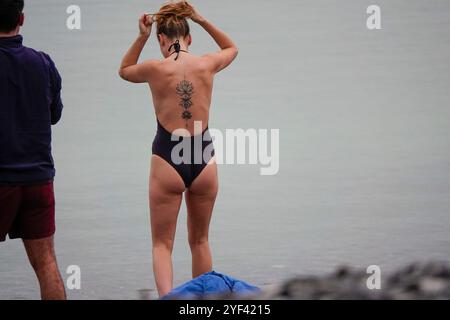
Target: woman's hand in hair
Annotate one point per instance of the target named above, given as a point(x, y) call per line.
point(196, 16)
point(145, 25)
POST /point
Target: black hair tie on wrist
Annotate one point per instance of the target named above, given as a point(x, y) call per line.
point(176, 45)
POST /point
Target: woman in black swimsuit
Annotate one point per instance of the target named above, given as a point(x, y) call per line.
point(183, 155)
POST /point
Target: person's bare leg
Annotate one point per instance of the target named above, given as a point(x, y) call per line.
point(166, 193)
point(200, 199)
point(42, 257)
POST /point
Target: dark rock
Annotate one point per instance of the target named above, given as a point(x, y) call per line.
point(418, 281)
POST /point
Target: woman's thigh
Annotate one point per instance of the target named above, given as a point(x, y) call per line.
point(200, 200)
point(165, 194)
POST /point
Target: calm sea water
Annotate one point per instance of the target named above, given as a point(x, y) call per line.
point(364, 123)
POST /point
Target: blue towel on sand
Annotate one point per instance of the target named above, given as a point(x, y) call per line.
point(211, 283)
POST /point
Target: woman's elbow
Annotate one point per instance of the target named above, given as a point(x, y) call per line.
point(125, 75)
point(235, 51)
point(122, 73)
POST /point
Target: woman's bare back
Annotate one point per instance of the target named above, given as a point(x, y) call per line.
point(182, 91)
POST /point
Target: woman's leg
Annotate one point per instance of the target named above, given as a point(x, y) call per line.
point(200, 199)
point(166, 192)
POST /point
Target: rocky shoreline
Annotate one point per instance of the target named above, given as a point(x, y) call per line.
point(418, 281)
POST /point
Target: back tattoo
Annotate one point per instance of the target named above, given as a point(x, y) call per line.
point(185, 90)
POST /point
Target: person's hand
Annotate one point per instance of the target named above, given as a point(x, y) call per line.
point(196, 17)
point(145, 25)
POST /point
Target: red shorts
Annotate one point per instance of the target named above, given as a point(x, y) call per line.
point(27, 212)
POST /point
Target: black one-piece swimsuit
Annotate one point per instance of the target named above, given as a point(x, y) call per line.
point(196, 145)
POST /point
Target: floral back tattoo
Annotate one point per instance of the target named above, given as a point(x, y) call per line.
point(185, 90)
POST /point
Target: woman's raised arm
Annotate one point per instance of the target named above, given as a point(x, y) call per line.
point(130, 70)
point(229, 51)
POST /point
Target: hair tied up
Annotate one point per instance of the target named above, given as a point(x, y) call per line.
point(172, 18)
point(174, 11)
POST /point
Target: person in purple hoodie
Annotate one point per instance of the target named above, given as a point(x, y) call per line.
point(30, 103)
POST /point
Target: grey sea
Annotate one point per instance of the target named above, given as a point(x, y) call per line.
point(364, 120)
